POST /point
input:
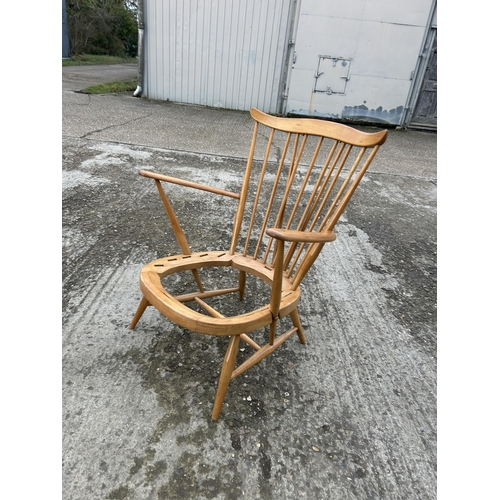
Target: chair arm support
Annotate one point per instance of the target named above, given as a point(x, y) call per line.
point(182, 182)
point(300, 236)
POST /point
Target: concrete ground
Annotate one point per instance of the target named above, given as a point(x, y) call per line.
point(349, 415)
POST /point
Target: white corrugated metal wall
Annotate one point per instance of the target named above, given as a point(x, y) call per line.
point(221, 53)
point(354, 60)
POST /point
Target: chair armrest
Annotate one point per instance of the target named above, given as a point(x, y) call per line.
point(300, 236)
point(182, 182)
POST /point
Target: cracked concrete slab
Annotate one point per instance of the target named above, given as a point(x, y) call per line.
point(349, 415)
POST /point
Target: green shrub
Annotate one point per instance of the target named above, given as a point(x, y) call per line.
point(102, 27)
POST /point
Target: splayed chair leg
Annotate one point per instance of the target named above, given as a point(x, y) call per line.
point(294, 315)
point(225, 376)
point(140, 310)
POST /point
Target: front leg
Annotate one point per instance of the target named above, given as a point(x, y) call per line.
point(225, 376)
point(140, 310)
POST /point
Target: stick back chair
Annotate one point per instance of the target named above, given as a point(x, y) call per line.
point(291, 197)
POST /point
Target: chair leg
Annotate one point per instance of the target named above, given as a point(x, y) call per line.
point(225, 376)
point(294, 315)
point(241, 283)
point(142, 307)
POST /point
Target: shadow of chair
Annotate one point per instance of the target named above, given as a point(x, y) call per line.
point(292, 195)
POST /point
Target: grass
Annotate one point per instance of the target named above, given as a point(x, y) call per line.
point(111, 88)
point(92, 59)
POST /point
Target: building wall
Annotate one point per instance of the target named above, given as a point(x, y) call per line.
point(216, 53)
point(355, 60)
point(65, 37)
point(351, 61)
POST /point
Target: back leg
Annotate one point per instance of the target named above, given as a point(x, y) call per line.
point(241, 283)
point(294, 315)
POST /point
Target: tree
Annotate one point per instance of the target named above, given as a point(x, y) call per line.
point(103, 27)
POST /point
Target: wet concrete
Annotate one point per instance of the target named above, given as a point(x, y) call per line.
point(350, 415)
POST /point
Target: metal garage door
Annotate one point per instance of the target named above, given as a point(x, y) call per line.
point(217, 53)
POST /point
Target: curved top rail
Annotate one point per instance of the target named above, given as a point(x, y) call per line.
point(323, 128)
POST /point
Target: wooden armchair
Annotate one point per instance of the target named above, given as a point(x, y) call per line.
point(287, 210)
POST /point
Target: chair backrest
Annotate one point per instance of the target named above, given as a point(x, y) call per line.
point(302, 180)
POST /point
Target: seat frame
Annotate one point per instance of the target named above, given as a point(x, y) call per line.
point(279, 267)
